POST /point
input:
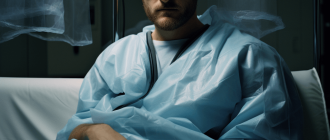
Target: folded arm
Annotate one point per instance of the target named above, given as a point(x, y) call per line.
point(95, 132)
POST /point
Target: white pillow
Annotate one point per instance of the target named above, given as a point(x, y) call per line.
point(312, 97)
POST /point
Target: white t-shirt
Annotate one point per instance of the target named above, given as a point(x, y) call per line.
point(165, 52)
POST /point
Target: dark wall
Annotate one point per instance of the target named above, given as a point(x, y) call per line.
point(24, 56)
point(27, 56)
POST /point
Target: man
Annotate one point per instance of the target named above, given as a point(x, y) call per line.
point(225, 85)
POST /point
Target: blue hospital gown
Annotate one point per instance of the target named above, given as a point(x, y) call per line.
point(227, 81)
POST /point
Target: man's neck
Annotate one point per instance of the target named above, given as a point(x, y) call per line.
point(185, 31)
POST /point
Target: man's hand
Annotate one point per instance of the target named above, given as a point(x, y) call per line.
point(95, 132)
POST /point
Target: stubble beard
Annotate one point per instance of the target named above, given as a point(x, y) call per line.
point(172, 22)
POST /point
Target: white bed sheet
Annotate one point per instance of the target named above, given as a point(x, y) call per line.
point(36, 108)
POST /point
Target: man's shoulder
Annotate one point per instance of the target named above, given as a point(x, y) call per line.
point(126, 43)
point(243, 44)
point(235, 40)
point(128, 46)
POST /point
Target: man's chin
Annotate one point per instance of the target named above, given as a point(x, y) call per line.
point(167, 24)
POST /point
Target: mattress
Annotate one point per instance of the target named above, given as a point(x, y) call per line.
point(36, 108)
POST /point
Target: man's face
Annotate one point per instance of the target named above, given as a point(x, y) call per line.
point(169, 15)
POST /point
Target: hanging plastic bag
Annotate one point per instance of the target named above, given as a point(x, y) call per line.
point(255, 17)
point(50, 20)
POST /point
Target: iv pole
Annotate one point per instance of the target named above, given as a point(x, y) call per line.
point(114, 19)
point(315, 37)
point(116, 33)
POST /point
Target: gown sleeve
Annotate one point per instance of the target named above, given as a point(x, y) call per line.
point(93, 83)
point(99, 95)
point(270, 107)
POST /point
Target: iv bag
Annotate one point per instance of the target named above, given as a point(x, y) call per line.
point(50, 20)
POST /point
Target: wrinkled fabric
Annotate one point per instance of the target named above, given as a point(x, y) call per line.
point(227, 81)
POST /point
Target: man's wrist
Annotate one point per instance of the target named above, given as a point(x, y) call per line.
point(95, 132)
point(80, 132)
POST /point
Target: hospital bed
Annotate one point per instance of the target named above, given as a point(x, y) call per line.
point(37, 108)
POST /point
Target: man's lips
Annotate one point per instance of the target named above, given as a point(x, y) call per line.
point(167, 9)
